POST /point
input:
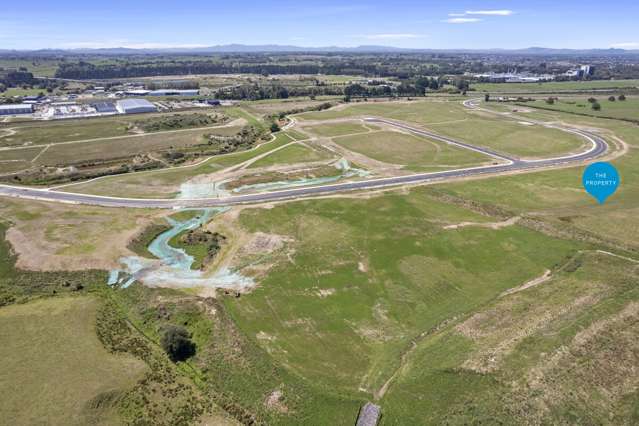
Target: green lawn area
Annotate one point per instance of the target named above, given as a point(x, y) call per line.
point(340, 129)
point(292, 154)
point(361, 291)
point(412, 151)
point(553, 86)
point(54, 368)
point(420, 112)
point(511, 137)
point(628, 109)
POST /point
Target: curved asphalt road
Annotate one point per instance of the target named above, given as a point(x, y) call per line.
point(506, 164)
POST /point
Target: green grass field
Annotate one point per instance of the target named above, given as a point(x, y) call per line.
point(420, 112)
point(54, 368)
point(40, 67)
point(558, 353)
point(628, 109)
point(511, 137)
point(450, 118)
point(292, 154)
point(554, 86)
point(367, 287)
point(128, 146)
point(341, 129)
point(414, 152)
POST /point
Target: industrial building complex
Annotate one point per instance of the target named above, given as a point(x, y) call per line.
point(134, 106)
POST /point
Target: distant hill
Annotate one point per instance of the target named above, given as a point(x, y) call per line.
point(276, 48)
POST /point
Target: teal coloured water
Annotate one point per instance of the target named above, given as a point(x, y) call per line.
point(191, 190)
point(172, 268)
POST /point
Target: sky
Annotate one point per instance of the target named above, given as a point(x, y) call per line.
point(425, 24)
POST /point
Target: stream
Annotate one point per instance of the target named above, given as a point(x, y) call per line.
point(172, 268)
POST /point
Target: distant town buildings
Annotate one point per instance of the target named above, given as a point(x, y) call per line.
point(510, 77)
point(582, 72)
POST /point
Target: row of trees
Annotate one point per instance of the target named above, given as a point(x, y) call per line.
point(379, 65)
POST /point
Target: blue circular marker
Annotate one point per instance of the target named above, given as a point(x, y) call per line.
point(600, 180)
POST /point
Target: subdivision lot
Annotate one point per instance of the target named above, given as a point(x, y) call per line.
point(54, 368)
point(128, 146)
point(292, 154)
point(409, 150)
point(450, 118)
point(341, 129)
point(517, 138)
point(421, 112)
point(166, 183)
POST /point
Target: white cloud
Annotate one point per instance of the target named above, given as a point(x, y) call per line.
point(391, 36)
point(456, 14)
point(626, 45)
point(461, 20)
point(503, 12)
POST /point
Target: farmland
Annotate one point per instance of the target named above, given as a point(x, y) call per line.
point(556, 86)
point(50, 345)
point(609, 109)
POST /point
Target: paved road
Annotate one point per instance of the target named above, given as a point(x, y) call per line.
point(503, 164)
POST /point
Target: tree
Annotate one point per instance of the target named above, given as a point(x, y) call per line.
point(275, 128)
point(611, 99)
point(596, 106)
point(487, 97)
point(176, 342)
point(622, 97)
point(462, 85)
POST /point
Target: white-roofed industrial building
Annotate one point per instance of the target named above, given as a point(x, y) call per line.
point(11, 109)
point(135, 106)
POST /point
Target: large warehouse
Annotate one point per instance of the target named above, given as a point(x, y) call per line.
point(11, 109)
point(135, 106)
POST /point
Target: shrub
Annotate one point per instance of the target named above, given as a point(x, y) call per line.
point(612, 99)
point(622, 97)
point(592, 100)
point(596, 106)
point(176, 342)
